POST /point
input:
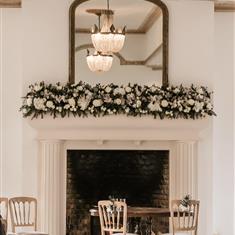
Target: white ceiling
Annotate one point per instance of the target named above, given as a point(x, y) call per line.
point(126, 12)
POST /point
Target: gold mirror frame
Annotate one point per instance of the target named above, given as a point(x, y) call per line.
point(72, 32)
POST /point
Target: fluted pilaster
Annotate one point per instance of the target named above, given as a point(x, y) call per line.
point(184, 174)
point(50, 186)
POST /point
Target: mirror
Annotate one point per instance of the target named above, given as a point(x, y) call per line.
point(119, 41)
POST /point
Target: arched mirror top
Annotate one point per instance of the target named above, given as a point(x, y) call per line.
point(138, 51)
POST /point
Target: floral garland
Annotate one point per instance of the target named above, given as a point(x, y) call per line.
point(82, 99)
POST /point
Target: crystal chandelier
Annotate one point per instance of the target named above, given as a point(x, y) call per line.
point(107, 39)
point(99, 62)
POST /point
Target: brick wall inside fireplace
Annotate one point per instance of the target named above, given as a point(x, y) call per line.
point(140, 176)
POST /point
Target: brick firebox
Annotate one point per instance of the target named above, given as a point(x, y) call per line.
point(140, 176)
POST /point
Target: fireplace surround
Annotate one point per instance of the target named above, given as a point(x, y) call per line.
point(56, 137)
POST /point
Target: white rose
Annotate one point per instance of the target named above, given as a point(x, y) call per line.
point(118, 101)
point(72, 102)
point(50, 104)
point(164, 103)
point(29, 101)
point(39, 103)
point(127, 110)
point(97, 102)
point(191, 102)
point(128, 89)
point(80, 88)
point(108, 89)
point(138, 103)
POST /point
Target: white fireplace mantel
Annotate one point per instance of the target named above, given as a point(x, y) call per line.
point(118, 127)
point(56, 136)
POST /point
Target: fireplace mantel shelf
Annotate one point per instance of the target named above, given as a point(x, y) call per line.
point(118, 127)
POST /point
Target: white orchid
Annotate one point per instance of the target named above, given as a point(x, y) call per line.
point(72, 102)
point(154, 106)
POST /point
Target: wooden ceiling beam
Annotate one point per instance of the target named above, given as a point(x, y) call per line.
point(10, 3)
point(224, 6)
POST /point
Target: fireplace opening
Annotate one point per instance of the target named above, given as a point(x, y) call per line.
point(139, 176)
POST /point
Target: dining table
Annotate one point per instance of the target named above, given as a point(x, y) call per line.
point(139, 214)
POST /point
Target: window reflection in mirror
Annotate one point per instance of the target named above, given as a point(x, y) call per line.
point(140, 59)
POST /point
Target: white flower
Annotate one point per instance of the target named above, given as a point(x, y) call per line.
point(191, 102)
point(67, 106)
point(118, 101)
point(72, 102)
point(108, 89)
point(80, 88)
point(200, 90)
point(128, 89)
point(138, 103)
point(29, 101)
point(176, 90)
point(164, 103)
point(187, 109)
point(59, 87)
point(198, 106)
point(153, 88)
point(154, 106)
point(50, 104)
point(97, 102)
point(83, 103)
point(120, 91)
point(39, 103)
point(24, 111)
point(127, 110)
point(37, 87)
point(209, 106)
point(59, 109)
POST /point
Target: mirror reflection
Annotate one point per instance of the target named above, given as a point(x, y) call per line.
point(118, 41)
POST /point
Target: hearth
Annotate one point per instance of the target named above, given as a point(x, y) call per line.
point(139, 176)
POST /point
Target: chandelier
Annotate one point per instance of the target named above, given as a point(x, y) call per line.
point(99, 62)
point(107, 39)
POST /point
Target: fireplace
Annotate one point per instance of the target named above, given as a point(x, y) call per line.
point(139, 176)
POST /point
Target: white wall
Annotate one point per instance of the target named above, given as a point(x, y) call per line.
point(11, 91)
point(223, 135)
point(35, 41)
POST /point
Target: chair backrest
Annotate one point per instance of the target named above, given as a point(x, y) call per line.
point(23, 212)
point(184, 219)
point(113, 216)
point(4, 211)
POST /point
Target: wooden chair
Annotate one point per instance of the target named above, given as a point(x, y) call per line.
point(4, 211)
point(113, 217)
point(184, 221)
point(23, 212)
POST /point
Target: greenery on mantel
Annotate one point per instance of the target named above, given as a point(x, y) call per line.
point(83, 100)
